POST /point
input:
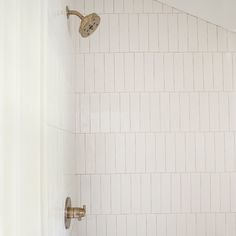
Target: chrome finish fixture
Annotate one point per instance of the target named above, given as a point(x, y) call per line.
point(88, 24)
point(72, 213)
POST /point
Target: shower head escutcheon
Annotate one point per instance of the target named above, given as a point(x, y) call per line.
point(88, 23)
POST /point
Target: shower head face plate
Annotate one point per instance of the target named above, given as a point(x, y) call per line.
point(89, 24)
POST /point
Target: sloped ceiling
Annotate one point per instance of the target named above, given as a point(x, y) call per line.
point(219, 12)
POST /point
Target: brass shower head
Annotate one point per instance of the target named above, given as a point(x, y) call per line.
point(88, 23)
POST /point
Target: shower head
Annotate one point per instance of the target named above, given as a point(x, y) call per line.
point(88, 23)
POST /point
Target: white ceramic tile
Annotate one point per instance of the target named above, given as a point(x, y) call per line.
point(131, 225)
point(100, 155)
point(95, 194)
point(128, 6)
point(222, 39)
point(138, 6)
point(119, 72)
point(233, 191)
point(115, 194)
point(111, 225)
point(202, 35)
point(121, 225)
point(229, 151)
point(225, 193)
point(171, 225)
point(195, 192)
point(130, 152)
point(99, 62)
point(185, 192)
point(170, 153)
point(135, 193)
point(168, 72)
point(198, 71)
point(150, 153)
point(156, 193)
point(228, 71)
point(158, 71)
point(219, 151)
point(108, 6)
point(111, 153)
point(151, 225)
point(125, 194)
point(184, 112)
point(176, 193)
point(143, 32)
point(160, 152)
point(114, 33)
point(217, 71)
point(154, 112)
point(95, 112)
point(192, 33)
point(208, 71)
point(124, 112)
point(80, 153)
point(129, 71)
point(90, 153)
point(133, 32)
point(214, 111)
point(139, 71)
point(144, 112)
point(104, 33)
point(149, 72)
point(118, 6)
point(134, 111)
point(188, 71)
point(153, 32)
point(140, 161)
point(109, 72)
point(105, 194)
point(183, 32)
point(190, 152)
point(105, 112)
point(101, 225)
point(145, 193)
point(89, 72)
point(178, 71)
point(84, 113)
point(165, 111)
point(163, 32)
point(165, 193)
point(161, 225)
point(80, 73)
point(180, 152)
point(124, 32)
point(173, 32)
point(212, 37)
point(205, 193)
point(215, 193)
point(120, 153)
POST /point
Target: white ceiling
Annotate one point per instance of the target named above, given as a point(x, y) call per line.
point(219, 12)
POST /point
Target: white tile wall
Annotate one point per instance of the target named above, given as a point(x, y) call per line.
point(155, 123)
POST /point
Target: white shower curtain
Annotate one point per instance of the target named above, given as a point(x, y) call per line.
point(20, 118)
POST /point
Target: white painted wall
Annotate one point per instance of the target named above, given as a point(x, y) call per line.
point(59, 120)
point(155, 123)
point(220, 12)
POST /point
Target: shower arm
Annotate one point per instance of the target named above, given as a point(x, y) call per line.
point(73, 12)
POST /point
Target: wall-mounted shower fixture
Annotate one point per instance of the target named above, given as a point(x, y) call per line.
point(72, 213)
point(88, 23)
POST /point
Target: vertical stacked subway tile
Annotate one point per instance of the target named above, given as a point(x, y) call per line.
point(156, 122)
